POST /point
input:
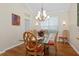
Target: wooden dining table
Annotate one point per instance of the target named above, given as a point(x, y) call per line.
point(52, 37)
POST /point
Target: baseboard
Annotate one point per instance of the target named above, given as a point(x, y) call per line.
point(74, 47)
point(10, 47)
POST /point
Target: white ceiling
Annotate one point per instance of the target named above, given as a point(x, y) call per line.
point(49, 7)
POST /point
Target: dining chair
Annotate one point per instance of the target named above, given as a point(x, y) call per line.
point(31, 45)
point(54, 43)
point(64, 36)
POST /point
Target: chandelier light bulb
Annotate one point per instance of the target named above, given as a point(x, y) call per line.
point(48, 17)
point(39, 13)
point(64, 22)
point(44, 13)
point(36, 17)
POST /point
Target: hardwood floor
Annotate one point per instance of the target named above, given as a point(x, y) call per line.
point(63, 50)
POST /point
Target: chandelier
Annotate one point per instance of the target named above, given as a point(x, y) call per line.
point(42, 15)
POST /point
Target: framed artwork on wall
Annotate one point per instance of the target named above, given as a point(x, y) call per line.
point(15, 19)
point(78, 14)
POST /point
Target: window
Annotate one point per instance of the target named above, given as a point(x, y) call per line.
point(50, 24)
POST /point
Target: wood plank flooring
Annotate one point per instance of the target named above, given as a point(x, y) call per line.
point(63, 50)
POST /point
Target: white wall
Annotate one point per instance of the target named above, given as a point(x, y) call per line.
point(74, 30)
point(9, 34)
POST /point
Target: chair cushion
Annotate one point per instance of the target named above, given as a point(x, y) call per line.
point(50, 42)
point(63, 37)
point(38, 49)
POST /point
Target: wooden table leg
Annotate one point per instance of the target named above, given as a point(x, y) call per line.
point(46, 50)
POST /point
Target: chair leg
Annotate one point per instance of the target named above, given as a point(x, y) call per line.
point(67, 41)
point(55, 50)
point(63, 41)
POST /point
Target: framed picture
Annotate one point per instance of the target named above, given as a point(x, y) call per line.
point(78, 14)
point(15, 19)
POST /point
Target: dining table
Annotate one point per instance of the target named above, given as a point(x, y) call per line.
point(45, 40)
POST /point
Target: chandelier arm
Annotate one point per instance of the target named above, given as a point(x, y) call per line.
point(42, 15)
